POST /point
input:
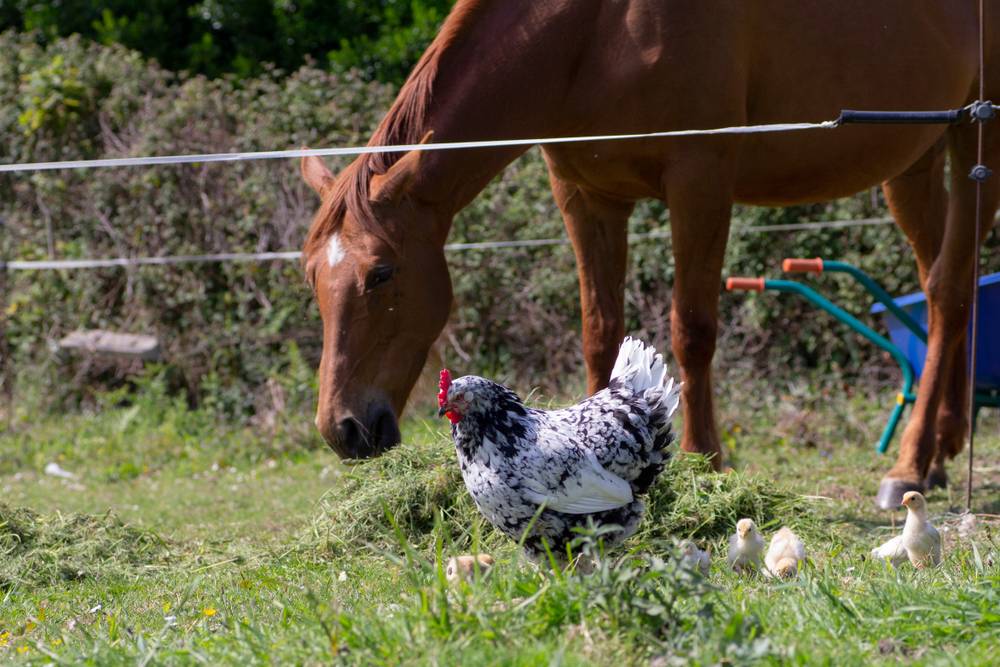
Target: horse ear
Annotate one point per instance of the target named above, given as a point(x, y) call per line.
point(316, 174)
point(390, 187)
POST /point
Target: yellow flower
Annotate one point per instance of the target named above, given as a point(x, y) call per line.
point(56, 641)
point(23, 648)
point(208, 611)
point(29, 626)
point(4, 638)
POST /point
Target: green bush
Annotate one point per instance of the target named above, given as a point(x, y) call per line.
point(383, 38)
point(228, 328)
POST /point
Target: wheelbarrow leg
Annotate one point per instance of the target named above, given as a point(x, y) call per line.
point(890, 427)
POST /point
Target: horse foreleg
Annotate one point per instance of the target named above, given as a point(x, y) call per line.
point(949, 291)
point(597, 227)
point(952, 423)
point(700, 210)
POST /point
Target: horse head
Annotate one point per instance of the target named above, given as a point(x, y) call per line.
point(375, 260)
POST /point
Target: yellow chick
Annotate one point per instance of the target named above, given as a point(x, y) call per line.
point(784, 555)
point(694, 557)
point(920, 539)
point(745, 547)
point(463, 568)
point(920, 542)
point(891, 551)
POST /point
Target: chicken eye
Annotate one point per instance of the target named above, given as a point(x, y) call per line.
point(378, 276)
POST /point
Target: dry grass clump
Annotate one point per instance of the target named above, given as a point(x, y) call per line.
point(40, 550)
point(398, 495)
point(689, 500)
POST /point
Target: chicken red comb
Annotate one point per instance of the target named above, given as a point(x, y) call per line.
point(443, 385)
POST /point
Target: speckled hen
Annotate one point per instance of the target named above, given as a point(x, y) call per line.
point(590, 461)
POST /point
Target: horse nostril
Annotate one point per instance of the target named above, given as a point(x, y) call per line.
point(354, 439)
point(350, 434)
point(385, 431)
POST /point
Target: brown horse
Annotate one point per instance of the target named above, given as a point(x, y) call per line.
point(533, 68)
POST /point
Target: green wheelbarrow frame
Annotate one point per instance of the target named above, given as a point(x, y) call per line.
point(906, 394)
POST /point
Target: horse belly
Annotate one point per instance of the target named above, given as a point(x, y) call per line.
point(784, 172)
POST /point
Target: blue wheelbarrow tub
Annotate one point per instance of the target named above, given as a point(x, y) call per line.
point(988, 347)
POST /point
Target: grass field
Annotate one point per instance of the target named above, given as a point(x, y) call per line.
point(181, 539)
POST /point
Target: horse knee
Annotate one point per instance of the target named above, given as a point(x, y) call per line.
point(951, 427)
point(949, 300)
point(693, 337)
point(600, 349)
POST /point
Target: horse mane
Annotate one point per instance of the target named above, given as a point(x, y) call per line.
point(405, 123)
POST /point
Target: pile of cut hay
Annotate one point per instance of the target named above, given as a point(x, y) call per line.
point(403, 494)
point(41, 550)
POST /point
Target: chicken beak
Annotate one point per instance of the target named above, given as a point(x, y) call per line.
point(444, 409)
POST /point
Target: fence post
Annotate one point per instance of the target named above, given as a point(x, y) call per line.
point(6, 369)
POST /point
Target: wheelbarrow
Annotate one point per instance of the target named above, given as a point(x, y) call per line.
point(906, 318)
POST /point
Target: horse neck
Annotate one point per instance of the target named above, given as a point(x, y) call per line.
point(504, 73)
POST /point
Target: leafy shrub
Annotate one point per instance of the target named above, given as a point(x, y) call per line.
point(384, 38)
point(228, 328)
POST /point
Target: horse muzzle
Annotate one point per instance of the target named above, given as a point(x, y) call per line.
point(353, 438)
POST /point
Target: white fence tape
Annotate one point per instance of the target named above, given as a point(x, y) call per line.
point(58, 264)
point(363, 150)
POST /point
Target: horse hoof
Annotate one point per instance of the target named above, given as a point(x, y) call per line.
point(890, 492)
point(937, 478)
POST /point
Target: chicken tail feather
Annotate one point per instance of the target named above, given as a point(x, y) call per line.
point(642, 369)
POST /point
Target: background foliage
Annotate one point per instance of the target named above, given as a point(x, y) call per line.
point(231, 329)
point(383, 38)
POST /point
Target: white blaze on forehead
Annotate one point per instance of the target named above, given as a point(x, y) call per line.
point(334, 251)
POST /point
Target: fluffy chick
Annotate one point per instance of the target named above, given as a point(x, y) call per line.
point(920, 542)
point(463, 568)
point(920, 539)
point(784, 555)
point(745, 547)
point(891, 551)
point(694, 557)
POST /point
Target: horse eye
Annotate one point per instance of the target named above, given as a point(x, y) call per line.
point(378, 275)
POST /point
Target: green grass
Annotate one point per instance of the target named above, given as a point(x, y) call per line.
point(184, 539)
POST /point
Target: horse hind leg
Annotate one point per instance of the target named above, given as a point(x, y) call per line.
point(952, 417)
point(918, 202)
point(948, 285)
point(953, 412)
